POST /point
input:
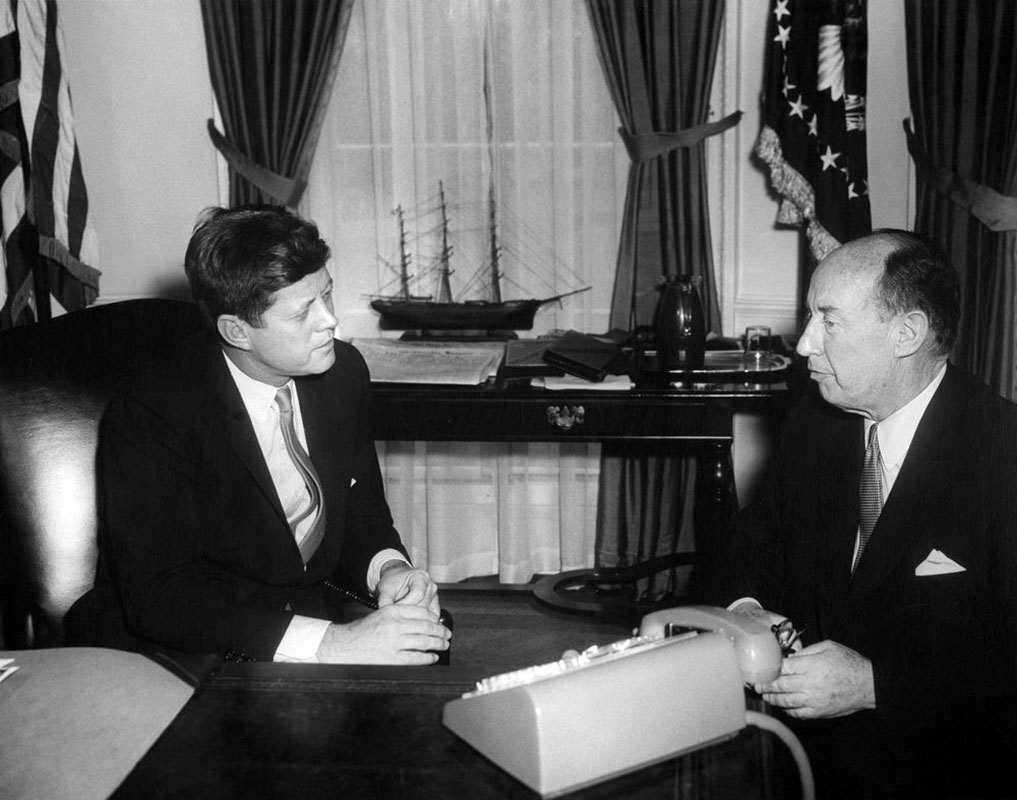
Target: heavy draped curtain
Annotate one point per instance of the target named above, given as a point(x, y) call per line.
point(962, 74)
point(658, 57)
point(272, 64)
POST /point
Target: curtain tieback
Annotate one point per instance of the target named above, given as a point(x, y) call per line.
point(998, 212)
point(644, 146)
point(285, 190)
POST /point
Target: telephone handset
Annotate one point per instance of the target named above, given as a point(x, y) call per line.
point(757, 649)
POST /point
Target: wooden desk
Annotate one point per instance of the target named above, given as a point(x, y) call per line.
point(696, 418)
point(278, 730)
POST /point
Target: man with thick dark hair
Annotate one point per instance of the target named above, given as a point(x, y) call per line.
point(238, 475)
point(887, 534)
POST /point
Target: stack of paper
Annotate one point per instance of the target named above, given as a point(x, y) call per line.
point(621, 383)
point(396, 361)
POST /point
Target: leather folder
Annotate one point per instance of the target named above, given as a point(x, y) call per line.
point(582, 355)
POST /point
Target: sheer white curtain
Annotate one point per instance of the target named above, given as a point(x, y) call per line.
point(478, 94)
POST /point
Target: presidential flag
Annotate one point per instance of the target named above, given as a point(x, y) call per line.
point(813, 135)
point(48, 244)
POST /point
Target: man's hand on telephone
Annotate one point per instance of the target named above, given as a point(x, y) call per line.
point(822, 680)
point(778, 623)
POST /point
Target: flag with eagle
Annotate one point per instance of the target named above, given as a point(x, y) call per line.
point(813, 135)
point(49, 248)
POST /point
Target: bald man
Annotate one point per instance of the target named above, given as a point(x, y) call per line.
point(887, 534)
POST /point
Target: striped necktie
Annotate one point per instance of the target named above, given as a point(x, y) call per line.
point(316, 506)
point(870, 494)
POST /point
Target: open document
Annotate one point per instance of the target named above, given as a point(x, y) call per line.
point(463, 363)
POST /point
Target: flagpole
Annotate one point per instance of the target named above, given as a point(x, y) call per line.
point(40, 272)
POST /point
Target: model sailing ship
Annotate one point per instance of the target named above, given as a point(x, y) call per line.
point(439, 312)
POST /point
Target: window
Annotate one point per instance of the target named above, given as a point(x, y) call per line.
point(489, 98)
point(475, 95)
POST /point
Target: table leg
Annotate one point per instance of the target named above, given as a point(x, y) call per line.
point(715, 501)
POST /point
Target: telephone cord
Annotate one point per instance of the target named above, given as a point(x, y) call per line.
point(782, 732)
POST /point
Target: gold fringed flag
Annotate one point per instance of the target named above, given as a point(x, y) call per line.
point(49, 246)
point(813, 136)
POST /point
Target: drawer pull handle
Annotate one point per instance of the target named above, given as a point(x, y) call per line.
point(566, 417)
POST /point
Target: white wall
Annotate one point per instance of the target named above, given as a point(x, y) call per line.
point(141, 94)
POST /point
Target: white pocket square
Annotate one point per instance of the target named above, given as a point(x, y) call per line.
point(353, 482)
point(937, 563)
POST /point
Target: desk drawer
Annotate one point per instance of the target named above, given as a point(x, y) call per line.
point(548, 418)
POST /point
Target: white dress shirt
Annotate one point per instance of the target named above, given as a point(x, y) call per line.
point(304, 634)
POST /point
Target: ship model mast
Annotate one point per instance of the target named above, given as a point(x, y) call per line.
point(495, 249)
point(445, 256)
point(405, 260)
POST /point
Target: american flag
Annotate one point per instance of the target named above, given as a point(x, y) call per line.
point(813, 136)
point(49, 246)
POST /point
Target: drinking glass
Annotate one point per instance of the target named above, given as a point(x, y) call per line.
point(757, 342)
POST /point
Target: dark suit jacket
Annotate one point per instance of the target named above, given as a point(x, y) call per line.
point(192, 534)
point(942, 647)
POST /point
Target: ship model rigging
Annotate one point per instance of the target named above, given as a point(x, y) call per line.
point(439, 313)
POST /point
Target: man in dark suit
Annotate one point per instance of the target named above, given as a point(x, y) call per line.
point(238, 475)
point(903, 685)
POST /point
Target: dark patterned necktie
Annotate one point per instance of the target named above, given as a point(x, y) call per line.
point(870, 494)
point(316, 507)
